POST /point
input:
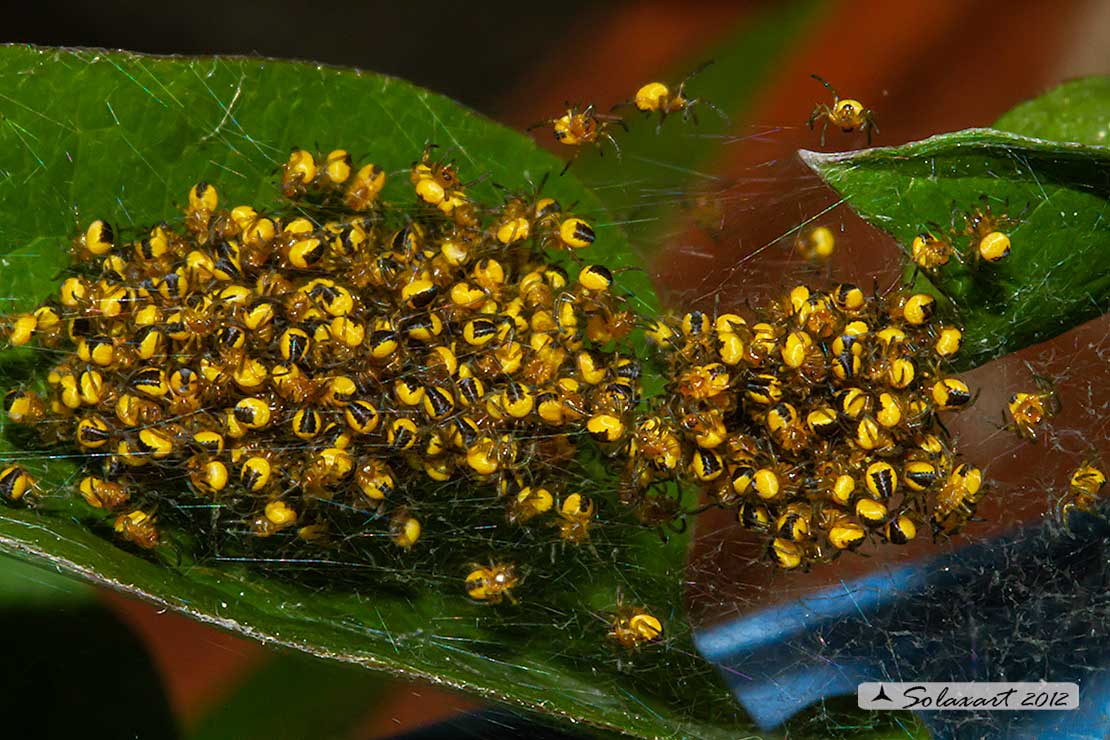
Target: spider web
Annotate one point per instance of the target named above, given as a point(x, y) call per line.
point(1028, 594)
point(1018, 596)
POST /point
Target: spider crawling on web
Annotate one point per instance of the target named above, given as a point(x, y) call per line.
point(848, 114)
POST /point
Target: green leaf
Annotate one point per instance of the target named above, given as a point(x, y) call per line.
point(1050, 174)
point(1076, 111)
point(663, 171)
point(89, 134)
point(1055, 193)
point(841, 717)
point(22, 584)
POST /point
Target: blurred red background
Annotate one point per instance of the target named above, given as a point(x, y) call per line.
point(924, 66)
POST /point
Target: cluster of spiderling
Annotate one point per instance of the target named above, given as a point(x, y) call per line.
point(329, 361)
point(817, 420)
point(340, 355)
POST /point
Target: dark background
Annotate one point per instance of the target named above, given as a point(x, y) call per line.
point(473, 52)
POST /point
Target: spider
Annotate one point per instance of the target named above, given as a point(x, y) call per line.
point(658, 97)
point(632, 627)
point(846, 113)
point(578, 127)
point(990, 241)
point(1084, 492)
point(437, 182)
point(1028, 410)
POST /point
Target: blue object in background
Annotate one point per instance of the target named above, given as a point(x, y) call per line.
point(1033, 606)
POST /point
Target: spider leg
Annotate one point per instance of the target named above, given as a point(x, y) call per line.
point(697, 71)
point(943, 428)
point(570, 161)
point(704, 508)
point(608, 119)
point(818, 110)
point(824, 128)
point(913, 275)
point(543, 181)
point(680, 91)
point(678, 526)
point(825, 82)
point(710, 105)
point(480, 178)
point(616, 146)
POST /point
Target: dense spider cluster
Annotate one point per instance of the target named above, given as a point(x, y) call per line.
point(302, 365)
point(817, 420)
point(316, 369)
